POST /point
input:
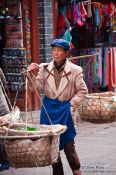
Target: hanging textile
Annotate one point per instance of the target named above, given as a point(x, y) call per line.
point(99, 71)
point(63, 22)
point(99, 29)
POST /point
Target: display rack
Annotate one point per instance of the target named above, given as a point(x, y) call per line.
point(14, 61)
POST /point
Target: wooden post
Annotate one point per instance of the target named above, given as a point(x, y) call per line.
point(34, 41)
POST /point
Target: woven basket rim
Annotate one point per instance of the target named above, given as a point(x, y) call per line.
point(25, 137)
point(13, 133)
point(92, 96)
point(109, 96)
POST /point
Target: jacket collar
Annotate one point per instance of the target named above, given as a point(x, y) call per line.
point(64, 80)
point(67, 68)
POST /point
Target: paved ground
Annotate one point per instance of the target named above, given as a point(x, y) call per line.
point(96, 147)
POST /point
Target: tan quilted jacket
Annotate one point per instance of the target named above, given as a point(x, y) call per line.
point(72, 85)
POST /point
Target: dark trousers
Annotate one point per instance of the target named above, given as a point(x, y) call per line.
point(3, 155)
point(72, 158)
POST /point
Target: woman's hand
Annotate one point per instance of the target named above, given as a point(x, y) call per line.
point(33, 68)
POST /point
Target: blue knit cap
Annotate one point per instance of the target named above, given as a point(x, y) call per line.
point(61, 43)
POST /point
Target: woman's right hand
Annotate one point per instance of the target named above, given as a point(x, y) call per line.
point(33, 68)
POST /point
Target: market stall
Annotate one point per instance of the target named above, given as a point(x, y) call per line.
point(90, 28)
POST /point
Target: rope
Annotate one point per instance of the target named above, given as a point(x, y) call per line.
point(16, 96)
point(26, 103)
point(31, 80)
point(8, 100)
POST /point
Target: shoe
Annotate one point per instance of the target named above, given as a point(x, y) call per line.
point(4, 165)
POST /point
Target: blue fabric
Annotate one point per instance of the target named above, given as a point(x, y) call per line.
point(61, 43)
point(59, 113)
point(5, 165)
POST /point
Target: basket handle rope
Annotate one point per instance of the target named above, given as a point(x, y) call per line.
point(27, 99)
point(28, 75)
point(7, 98)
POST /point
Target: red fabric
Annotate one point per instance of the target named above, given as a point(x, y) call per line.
point(108, 9)
point(79, 13)
point(108, 67)
point(113, 68)
point(83, 11)
point(99, 6)
point(111, 9)
point(61, 21)
point(111, 81)
point(61, 24)
point(69, 13)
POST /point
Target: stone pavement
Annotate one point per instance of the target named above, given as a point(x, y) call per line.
point(96, 147)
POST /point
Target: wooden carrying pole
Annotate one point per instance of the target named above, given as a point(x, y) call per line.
point(83, 56)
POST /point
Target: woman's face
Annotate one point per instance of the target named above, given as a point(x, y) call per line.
point(59, 54)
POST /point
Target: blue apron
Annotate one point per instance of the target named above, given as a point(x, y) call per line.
point(59, 113)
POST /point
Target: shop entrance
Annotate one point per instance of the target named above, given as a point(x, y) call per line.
point(12, 51)
point(2, 32)
point(18, 46)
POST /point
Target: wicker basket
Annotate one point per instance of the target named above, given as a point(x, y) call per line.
point(32, 148)
point(99, 107)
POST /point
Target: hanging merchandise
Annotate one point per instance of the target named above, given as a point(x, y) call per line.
point(93, 20)
point(13, 25)
point(67, 35)
point(89, 12)
point(100, 69)
point(89, 26)
point(13, 57)
point(70, 13)
point(14, 61)
point(83, 36)
point(28, 35)
point(105, 12)
point(79, 13)
point(63, 22)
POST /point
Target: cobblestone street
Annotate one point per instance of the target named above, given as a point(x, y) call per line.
point(96, 147)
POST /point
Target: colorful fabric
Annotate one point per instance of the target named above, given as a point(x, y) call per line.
point(104, 68)
point(108, 67)
point(67, 35)
point(112, 69)
point(100, 66)
point(79, 13)
point(99, 71)
point(114, 55)
point(97, 16)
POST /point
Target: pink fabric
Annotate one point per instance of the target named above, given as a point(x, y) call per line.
point(113, 67)
point(79, 13)
point(111, 81)
point(108, 67)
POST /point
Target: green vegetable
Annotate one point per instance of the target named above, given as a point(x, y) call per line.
point(27, 129)
point(31, 129)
